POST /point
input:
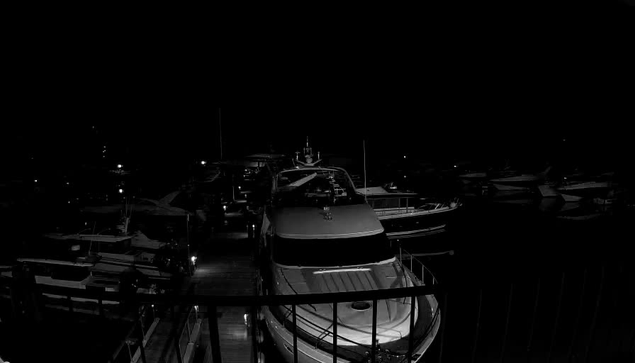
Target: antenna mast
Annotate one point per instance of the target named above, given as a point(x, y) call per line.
point(364, 149)
point(220, 135)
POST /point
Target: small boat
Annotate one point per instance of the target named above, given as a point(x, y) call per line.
point(118, 250)
point(407, 214)
point(161, 207)
point(523, 178)
point(76, 273)
point(584, 188)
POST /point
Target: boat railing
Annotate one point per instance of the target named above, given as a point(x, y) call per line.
point(417, 267)
point(132, 346)
point(252, 302)
point(189, 334)
point(501, 318)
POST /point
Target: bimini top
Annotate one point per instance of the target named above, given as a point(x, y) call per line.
point(346, 221)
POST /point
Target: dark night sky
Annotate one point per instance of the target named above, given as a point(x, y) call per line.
point(474, 83)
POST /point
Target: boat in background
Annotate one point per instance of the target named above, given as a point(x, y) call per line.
point(523, 178)
point(118, 250)
point(584, 188)
point(81, 274)
point(407, 214)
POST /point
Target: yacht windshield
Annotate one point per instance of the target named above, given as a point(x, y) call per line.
point(311, 187)
point(332, 252)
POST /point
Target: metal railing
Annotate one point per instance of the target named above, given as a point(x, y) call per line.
point(417, 267)
point(562, 317)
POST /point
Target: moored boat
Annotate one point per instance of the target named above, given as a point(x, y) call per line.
point(318, 236)
point(310, 250)
point(407, 214)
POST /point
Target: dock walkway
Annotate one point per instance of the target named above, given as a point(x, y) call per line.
point(224, 268)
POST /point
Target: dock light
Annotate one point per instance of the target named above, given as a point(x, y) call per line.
point(203, 162)
point(246, 317)
point(196, 308)
point(119, 166)
point(120, 191)
point(36, 180)
point(404, 156)
point(455, 165)
point(67, 183)
point(253, 226)
point(193, 258)
point(225, 208)
point(239, 187)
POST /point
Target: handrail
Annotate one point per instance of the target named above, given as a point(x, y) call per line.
point(405, 255)
point(195, 299)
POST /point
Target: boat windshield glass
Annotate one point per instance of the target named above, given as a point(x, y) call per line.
point(332, 252)
point(311, 187)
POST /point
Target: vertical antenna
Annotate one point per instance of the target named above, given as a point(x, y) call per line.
point(220, 135)
point(364, 149)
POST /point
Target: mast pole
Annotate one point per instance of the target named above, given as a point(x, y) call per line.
point(220, 134)
point(364, 149)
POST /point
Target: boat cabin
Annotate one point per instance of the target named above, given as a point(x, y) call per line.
point(106, 246)
point(311, 186)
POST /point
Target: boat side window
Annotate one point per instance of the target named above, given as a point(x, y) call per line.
point(116, 247)
point(380, 203)
point(41, 269)
point(386, 203)
point(73, 273)
point(321, 252)
point(404, 202)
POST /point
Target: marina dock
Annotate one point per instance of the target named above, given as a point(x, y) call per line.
point(224, 268)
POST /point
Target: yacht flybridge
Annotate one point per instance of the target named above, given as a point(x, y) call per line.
point(320, 236)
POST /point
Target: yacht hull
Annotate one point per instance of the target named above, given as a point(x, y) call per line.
point(414, 223)
point(309, 352)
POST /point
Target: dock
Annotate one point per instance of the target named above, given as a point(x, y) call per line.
point(225, 267)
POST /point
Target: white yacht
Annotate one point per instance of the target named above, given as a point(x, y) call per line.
point(320, 236)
